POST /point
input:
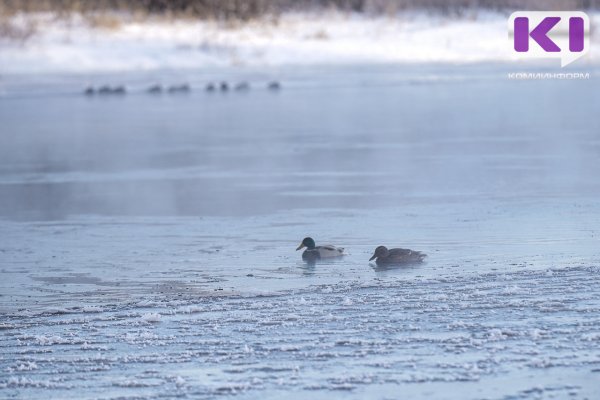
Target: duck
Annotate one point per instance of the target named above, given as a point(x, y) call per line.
point(314, 252)
point(385, 256)
point(242, 87)
point(183, 88)
point(108, 90)
point(155, 89)
point(119, 90)
point(105, 89)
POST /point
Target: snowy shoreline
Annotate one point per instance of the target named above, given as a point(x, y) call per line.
point(75, 46)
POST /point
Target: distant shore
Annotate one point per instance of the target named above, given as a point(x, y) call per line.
point(248, 9)
point(45, 43)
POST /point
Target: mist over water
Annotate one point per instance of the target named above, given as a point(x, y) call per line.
point(147, 241)
point(348, 138)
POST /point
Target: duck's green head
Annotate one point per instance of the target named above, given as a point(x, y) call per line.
point(307, 242)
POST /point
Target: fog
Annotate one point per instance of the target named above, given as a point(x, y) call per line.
point(347, 138)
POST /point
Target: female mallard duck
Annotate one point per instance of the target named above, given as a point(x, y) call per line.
point(396, 256)
point(314, 252)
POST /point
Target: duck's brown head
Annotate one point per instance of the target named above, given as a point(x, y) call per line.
point(380, 251)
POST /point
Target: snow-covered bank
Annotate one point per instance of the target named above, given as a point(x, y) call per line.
point(76, 46)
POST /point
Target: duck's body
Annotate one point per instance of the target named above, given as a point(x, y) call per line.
point(242, 87)
point(313, 252)
point(385, 256)
point(274, 85)
point(183, 88)
point(155, 89)
point(107, 90)
point(320, 252)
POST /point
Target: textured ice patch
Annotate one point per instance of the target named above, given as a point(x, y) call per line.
point(24, 382)
point(151, 317)
point(92, 309)
point(24, 366)
point(133, 383)
point(179, 381)
point(536, 334)
point(591, 337)
point(49, 340)
point(393, 335)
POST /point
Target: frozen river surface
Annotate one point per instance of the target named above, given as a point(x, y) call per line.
point(147, 242)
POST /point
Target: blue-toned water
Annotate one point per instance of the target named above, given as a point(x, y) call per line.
point(147, 241)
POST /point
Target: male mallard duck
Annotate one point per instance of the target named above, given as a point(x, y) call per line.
point(314, 252)
point(396, 256)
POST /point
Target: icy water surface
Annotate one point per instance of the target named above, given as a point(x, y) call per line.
point(147, 242)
